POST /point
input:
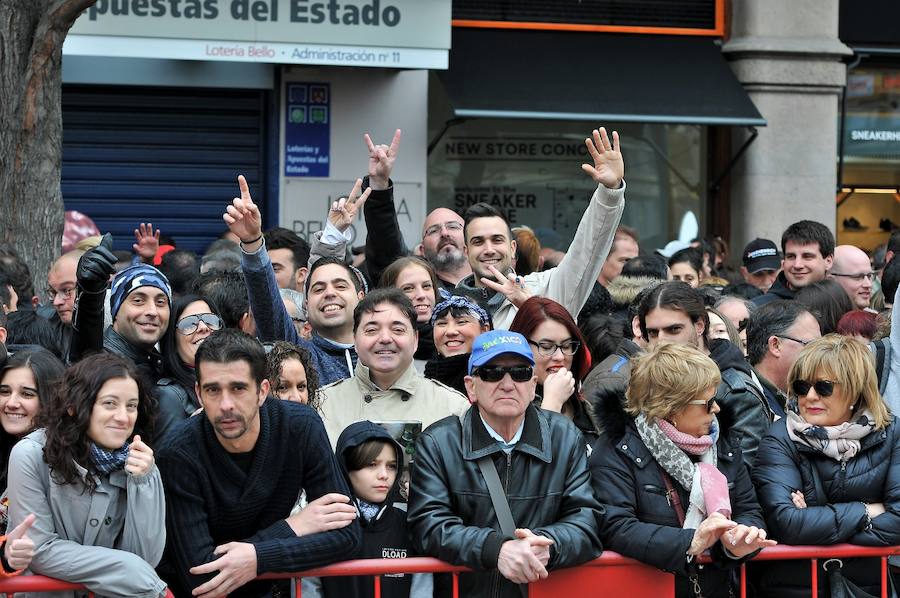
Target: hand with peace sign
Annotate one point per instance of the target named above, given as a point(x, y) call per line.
point(608, 168)
point(512, 285)
point(344, 210)
point(18, 549)
point(243, 218)
point(381, 161)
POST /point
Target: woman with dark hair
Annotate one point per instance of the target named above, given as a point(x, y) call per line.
point(686, 265)
point(456, 322)
point(92, 483)
point(828, 302)
point(561, 359)
point(416, 278)
point(290, 373)
point(192, 321)
point(26, 383)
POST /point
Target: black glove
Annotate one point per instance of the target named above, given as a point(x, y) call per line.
point(96, 266)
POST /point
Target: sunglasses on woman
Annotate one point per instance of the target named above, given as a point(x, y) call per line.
point(709, 403)
point(495, 373)
point(189, 324)
point(824, 388)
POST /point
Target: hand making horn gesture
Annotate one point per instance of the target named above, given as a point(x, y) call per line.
point(381, 161)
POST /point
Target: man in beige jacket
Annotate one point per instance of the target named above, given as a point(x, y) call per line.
point(386, 385)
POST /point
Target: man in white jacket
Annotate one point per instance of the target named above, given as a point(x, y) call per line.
point(490, 245)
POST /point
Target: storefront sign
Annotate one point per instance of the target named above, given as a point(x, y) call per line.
point(307, 130)
point(872, 135)
point(381, 33)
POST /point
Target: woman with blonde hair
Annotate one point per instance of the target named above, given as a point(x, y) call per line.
point(829, 472)
point(672, 485)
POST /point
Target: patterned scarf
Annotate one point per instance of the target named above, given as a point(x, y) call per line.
point(368, 511)
point(707, 485)
point(106, 461)
point(840, 442)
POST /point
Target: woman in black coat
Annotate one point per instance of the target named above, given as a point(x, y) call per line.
point(671, 485)
point(830, 471)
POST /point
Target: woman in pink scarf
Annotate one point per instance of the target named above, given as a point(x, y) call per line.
point(672, 485)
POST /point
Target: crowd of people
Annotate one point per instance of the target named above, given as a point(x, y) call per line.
point(192, 423)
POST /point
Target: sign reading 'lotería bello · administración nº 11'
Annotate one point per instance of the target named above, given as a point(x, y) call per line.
point(376, 33)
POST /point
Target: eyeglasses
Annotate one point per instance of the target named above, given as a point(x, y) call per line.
point(495, 373)
point(709, 403)
point(548, 348)
point(435, 229)
point(857, 277)
point(189, 324)
point(796, 340)
point(67, 293)
point(824, 388)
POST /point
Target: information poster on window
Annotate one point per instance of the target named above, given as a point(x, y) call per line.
point(307, 132)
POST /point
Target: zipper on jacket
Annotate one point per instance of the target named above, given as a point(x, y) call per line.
point(661, 491)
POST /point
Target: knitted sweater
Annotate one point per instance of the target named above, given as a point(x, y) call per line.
point(210, 500)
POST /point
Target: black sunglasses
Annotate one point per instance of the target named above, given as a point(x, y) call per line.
point(188, 325)
point(709, 403)
point(495, 373)
point(824, 388)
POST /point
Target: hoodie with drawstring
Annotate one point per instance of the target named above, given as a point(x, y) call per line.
point(384, 531)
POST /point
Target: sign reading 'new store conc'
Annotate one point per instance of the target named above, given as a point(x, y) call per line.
point(378, 33)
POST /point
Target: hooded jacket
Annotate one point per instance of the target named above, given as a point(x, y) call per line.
point(385, 536)
point(778, 290)
point(639, 520)
point(745, 411)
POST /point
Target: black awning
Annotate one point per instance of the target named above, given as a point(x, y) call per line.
point(593, 76)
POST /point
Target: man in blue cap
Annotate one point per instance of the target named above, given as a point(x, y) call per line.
point(504, 489)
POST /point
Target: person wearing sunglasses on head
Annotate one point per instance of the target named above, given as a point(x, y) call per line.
point(537, 453)
point(829, 472)
point(674, 486)
point(561, 359)
point(193, 320)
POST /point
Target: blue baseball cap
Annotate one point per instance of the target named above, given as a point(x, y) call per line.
point(495, 343)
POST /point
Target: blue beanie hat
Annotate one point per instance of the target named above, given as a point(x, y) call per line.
point(133, 277)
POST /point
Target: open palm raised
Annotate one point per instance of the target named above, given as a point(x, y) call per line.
point(609, 167)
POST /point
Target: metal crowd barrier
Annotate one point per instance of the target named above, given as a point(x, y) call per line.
point(611, 570)
point(38, 583)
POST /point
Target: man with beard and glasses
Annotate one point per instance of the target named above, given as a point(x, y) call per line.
point(443, 246)
point(233, 475)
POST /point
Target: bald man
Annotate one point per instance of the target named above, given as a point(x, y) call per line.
point(853, 271)
point(61, 284)
point(443, 245)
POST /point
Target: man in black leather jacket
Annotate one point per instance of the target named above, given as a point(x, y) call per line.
point(542, 467)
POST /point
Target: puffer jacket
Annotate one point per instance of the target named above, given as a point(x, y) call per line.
point(547, 484)
point(640, 521)
point(744, 411)
point(835, 513)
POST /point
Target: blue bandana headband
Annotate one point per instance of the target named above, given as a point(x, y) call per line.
point(464, 303)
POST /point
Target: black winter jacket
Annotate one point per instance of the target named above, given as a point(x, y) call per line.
point(745, 411)
point(639, 520)
point(835, 512)
point(778, 290)
point(547, 484)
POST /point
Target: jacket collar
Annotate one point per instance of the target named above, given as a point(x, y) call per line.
point(116, 343)
point(535, 439)
point(481, 295)
point(407, 383)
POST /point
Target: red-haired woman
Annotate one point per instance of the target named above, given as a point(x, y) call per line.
point(561, 358)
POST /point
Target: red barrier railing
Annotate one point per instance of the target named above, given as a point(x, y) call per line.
point(611, 570)
point(38, 583)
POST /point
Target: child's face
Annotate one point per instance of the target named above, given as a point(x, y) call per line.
point(373, 482)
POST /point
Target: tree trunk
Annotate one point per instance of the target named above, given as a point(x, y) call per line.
point(31, 211)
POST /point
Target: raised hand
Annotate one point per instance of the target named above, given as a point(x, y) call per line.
point(140, 458)
point(743, 539)
point(147, 242)
point(328, 512)
point(381, 161)
point(608, 168)
point(344, 210)
point(19, 548)
point(512, 285)
point(243, 217)
point(96, 266)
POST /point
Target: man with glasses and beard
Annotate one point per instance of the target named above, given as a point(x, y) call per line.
point(472, 494)
point(443, 246)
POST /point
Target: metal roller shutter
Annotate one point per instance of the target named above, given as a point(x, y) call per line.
point(169, 156)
